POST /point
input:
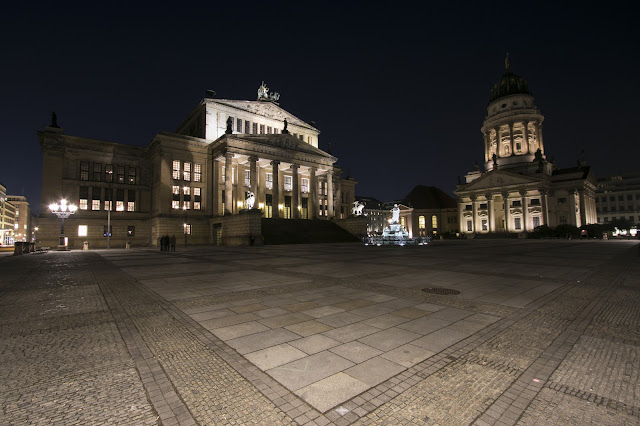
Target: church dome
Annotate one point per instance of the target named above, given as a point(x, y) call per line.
point(509, 84)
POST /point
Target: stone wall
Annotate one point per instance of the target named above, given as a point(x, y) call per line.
point(238, 230)
point(356, 226)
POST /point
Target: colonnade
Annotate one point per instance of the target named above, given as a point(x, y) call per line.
point(497, 132)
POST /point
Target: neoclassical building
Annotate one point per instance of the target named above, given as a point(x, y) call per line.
point(519, 188)
point(230, 164)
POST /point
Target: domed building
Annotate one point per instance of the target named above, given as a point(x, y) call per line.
point(519, 189)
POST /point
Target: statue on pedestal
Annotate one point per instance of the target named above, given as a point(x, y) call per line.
point(250, 201)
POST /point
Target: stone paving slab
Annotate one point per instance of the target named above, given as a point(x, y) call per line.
point(330, 334)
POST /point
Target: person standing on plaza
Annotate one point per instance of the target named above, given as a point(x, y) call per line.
point(173, 242)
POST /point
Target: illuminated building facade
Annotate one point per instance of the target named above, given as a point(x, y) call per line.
point(7, 218)
point(618, 197)
point(519, 189)
point(228, 158)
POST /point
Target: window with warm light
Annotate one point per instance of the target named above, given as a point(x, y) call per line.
point(196, 205)
point(288, 183)
point(197, 172)
point(108, 173)
point(186, 173)
point(131, 206)
point(268, 181)
point(95, 204)
point(120, 174)
point(434, 221)
point(119, 206)
point(186, 205)
point(132, 175)
point(175, 204)
point(82, 230)
point(422, 222)
point(176, 169)
point(304, 186)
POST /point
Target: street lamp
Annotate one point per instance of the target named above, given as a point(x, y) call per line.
point(63, 211)
point(35, 233)
point(186, 226)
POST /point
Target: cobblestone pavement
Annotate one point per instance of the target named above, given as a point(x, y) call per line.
point(542, 332)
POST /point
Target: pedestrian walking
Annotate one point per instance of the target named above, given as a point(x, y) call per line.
point(173, 242)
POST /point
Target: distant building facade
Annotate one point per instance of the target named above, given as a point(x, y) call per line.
point(227, 158)
point(23, 224)
point(7, 218)
point(618, 197)
point(519, 189)
point(432, 213)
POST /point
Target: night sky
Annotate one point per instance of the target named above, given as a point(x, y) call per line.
point(399, 91)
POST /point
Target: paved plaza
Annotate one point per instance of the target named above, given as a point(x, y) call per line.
point(541, 332)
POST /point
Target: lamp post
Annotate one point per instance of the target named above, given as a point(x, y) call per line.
point(63, 211)
point(110, 189)
point(186, 226)
point(35, 234)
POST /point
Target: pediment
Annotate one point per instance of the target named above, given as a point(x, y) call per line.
point(265, 109)
point(260, 143)
point(498, 179)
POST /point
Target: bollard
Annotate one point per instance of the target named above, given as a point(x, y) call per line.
point(85, 245)
point(127, 246)
point(17, 248)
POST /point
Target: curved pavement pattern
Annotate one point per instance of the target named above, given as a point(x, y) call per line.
point(542, 332)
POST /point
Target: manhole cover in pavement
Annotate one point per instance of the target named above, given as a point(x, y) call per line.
point(440, 290)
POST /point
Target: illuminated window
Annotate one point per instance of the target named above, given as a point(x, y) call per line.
point(187, 171)
point(536, 221)
point(186, 190)
point(95, 204)
point(84, 196)
point(421, 222)
point(268, 180)
point(196, 205)
point(84, 170)
point(196, 192)
point(288, 183)
point(175, 204)
point(131, 206)
point(434, 221)
point(107, 205)
point(186, 205)
point(108, 173)
point(132, 175)
point(247, 178)
point(176, 190)
point(176, 169)
point(304, 187)
point(197, 172)
point(119, 206)
point(82, 230)
point(485, 225)
point(187, 228)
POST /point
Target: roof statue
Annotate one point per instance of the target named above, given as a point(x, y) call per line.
point(284, 129)
point(54, 120)
point(229, 126)
point(495, 161)
point(264, 95)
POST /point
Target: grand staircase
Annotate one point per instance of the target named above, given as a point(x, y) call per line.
point(303, 231)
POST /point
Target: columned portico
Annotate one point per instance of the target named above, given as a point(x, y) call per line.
point(490, 213)
point(228, 183)
point(507, 215)
point(329, 177)
point(295, 199)
point(275, 191)
point(313, 193)
point(525, 208)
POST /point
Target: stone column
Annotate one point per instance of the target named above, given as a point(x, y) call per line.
point(505, 196)
point(338, 200)
point(253, 175)
point(525, 208)
point(474, 219)
point(228, 187)
point(313, 193)
point(511, 139)
point(545, 211)
point(330, 194)
point(498, 142)
point(460, 216)
point(491, 218)
point(583, 209)
point(275, 191)
point(295, 192)
point(526, 136)
point(572, 208)
point(539, 136)
point(487, 147)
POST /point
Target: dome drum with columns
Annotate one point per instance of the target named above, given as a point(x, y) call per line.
point(519, 189)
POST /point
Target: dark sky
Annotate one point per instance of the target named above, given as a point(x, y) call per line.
point(400, 91)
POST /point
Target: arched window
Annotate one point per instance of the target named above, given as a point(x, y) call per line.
point(421, 222)
point(434, 222)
